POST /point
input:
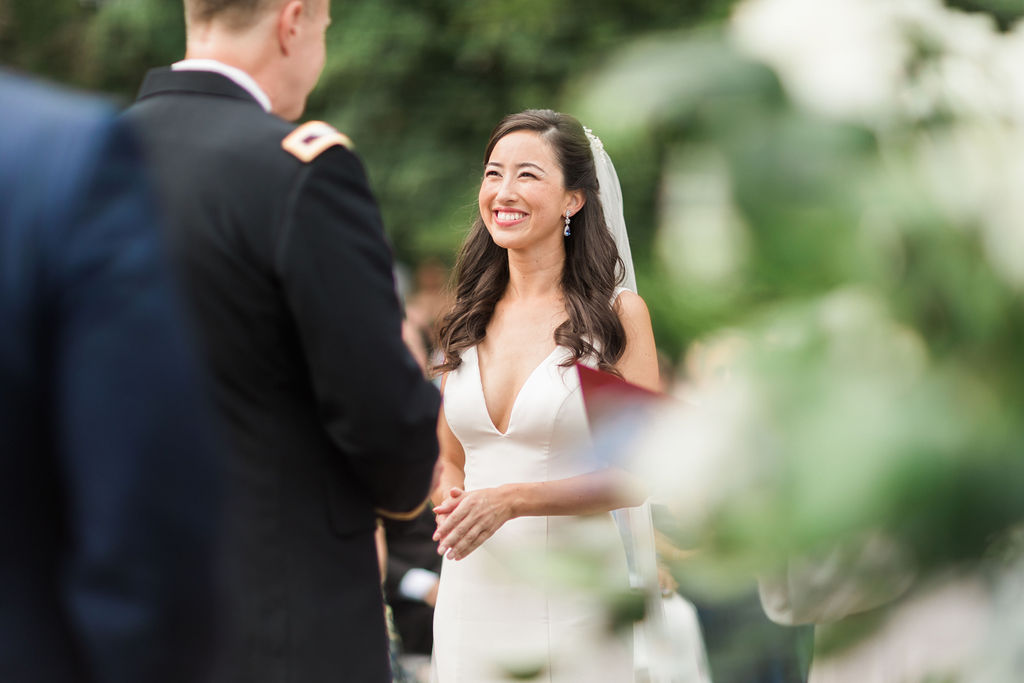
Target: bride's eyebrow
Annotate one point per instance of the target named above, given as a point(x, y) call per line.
point(520, 165)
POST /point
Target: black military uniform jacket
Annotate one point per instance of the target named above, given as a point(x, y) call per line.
point(280, 245)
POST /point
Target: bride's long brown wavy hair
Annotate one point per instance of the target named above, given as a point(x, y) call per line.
point(592, 264)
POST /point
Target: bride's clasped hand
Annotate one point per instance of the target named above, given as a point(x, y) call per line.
point(465, 519)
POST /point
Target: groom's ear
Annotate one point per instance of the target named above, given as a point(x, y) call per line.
point(288, 29)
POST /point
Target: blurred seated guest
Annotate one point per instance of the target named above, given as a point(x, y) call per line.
point(744, 646)
point(415, 342)
point(428, 303)
point(411, 580)
point(108, 488)
point(395, 649)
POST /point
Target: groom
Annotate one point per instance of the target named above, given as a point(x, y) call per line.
point(327, 420)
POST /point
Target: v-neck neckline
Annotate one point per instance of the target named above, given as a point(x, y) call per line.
point(515, 401)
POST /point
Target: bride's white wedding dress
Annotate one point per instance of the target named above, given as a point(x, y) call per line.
point(491, 618)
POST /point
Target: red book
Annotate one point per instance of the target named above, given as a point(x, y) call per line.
point(605, 395)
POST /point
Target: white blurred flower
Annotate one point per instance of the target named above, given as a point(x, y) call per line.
point(936, 634)
point(699, 455)
point(871, 60)
point(973, 172)
point(957, 75)
point(821, 438)
point(1002, 232)
point(1002, 654)
point(702, 237)
point(863, 339)
point(843, 58)
point(1009, 72)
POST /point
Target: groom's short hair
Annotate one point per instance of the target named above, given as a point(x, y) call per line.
point(237, 14)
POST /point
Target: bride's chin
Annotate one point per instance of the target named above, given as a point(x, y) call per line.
point(503, 240)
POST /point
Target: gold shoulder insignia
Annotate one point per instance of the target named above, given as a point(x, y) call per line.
point(310, 139)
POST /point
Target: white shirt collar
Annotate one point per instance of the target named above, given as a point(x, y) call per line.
point(239, 77)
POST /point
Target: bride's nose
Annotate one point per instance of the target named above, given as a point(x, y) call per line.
point(506, 191)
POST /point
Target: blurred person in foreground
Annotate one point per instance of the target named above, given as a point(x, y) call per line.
point(744, 644)
point(108, 484)
point(543, 283)
point(329, 420)
point(428, 304)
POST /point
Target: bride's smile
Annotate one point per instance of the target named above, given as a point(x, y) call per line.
point(506, 218)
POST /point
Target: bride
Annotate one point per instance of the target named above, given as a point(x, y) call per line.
point(539, 287)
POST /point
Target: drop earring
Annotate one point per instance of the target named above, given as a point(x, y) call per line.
point(566, 231)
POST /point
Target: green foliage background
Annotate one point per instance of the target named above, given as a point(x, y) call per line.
point(418, 84)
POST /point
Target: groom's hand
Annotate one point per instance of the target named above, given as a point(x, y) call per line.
point(467, 519)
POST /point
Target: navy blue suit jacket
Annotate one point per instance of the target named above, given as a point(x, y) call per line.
point(108, 490)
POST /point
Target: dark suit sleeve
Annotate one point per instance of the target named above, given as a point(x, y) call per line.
point(141, 483)
point(336, 267)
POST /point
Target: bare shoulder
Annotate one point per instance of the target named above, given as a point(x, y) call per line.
point(639, 361)
point(632, 309)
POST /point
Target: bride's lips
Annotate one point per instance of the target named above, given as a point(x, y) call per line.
point(506, 218)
